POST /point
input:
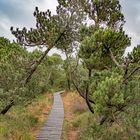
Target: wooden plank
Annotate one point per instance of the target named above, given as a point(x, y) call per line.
point(53, 127)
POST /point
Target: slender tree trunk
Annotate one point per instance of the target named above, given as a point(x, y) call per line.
point(36, 66)
point(102, 120)
point(7, 107)
point(87, 92)
point(68, 73)
point(81, 93)
point(49, 76)
point(68, 83)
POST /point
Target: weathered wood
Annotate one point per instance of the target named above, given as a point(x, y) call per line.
point(53, 127)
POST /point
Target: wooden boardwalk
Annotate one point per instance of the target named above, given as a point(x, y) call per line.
point(53, 127)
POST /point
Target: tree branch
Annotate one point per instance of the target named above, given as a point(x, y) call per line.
point(41, 59)
point(132, 72)
point(114, 59)
point(81, 93)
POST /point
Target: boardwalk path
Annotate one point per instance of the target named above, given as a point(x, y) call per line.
point(53, 127)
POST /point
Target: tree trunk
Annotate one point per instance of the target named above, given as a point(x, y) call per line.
point(49, 76)
point(69, 84)
point(102, 120)
point(68, 73)
point(36, 66)
point(7, 107)
point(87, 92)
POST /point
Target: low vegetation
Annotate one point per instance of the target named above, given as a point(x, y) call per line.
point(74, 106)
point(24, 123)
point(80, 124)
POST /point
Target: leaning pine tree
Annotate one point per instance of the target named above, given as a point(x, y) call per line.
point(51, 31)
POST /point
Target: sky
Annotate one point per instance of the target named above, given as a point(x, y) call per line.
point(131, 11)
point(19, 13)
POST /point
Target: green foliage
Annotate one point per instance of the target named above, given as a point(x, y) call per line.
point(20, 122)
point(135, 55)
point(107, 12)
point(94, 50)
point(90, 130)
point(16, 62)
point(108, 93)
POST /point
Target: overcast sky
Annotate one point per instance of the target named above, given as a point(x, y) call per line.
point(19, 13)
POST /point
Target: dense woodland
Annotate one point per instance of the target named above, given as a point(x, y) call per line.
point(95, 65)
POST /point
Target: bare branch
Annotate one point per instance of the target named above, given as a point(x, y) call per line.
point(114, 59)
point(81, 93)
point(132, 72)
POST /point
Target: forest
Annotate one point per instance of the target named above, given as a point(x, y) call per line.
point(101, 82)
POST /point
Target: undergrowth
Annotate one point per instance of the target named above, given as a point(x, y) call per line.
point(80, 124)
point(23, 123)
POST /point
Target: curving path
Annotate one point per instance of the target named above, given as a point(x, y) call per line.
point(53, 127)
